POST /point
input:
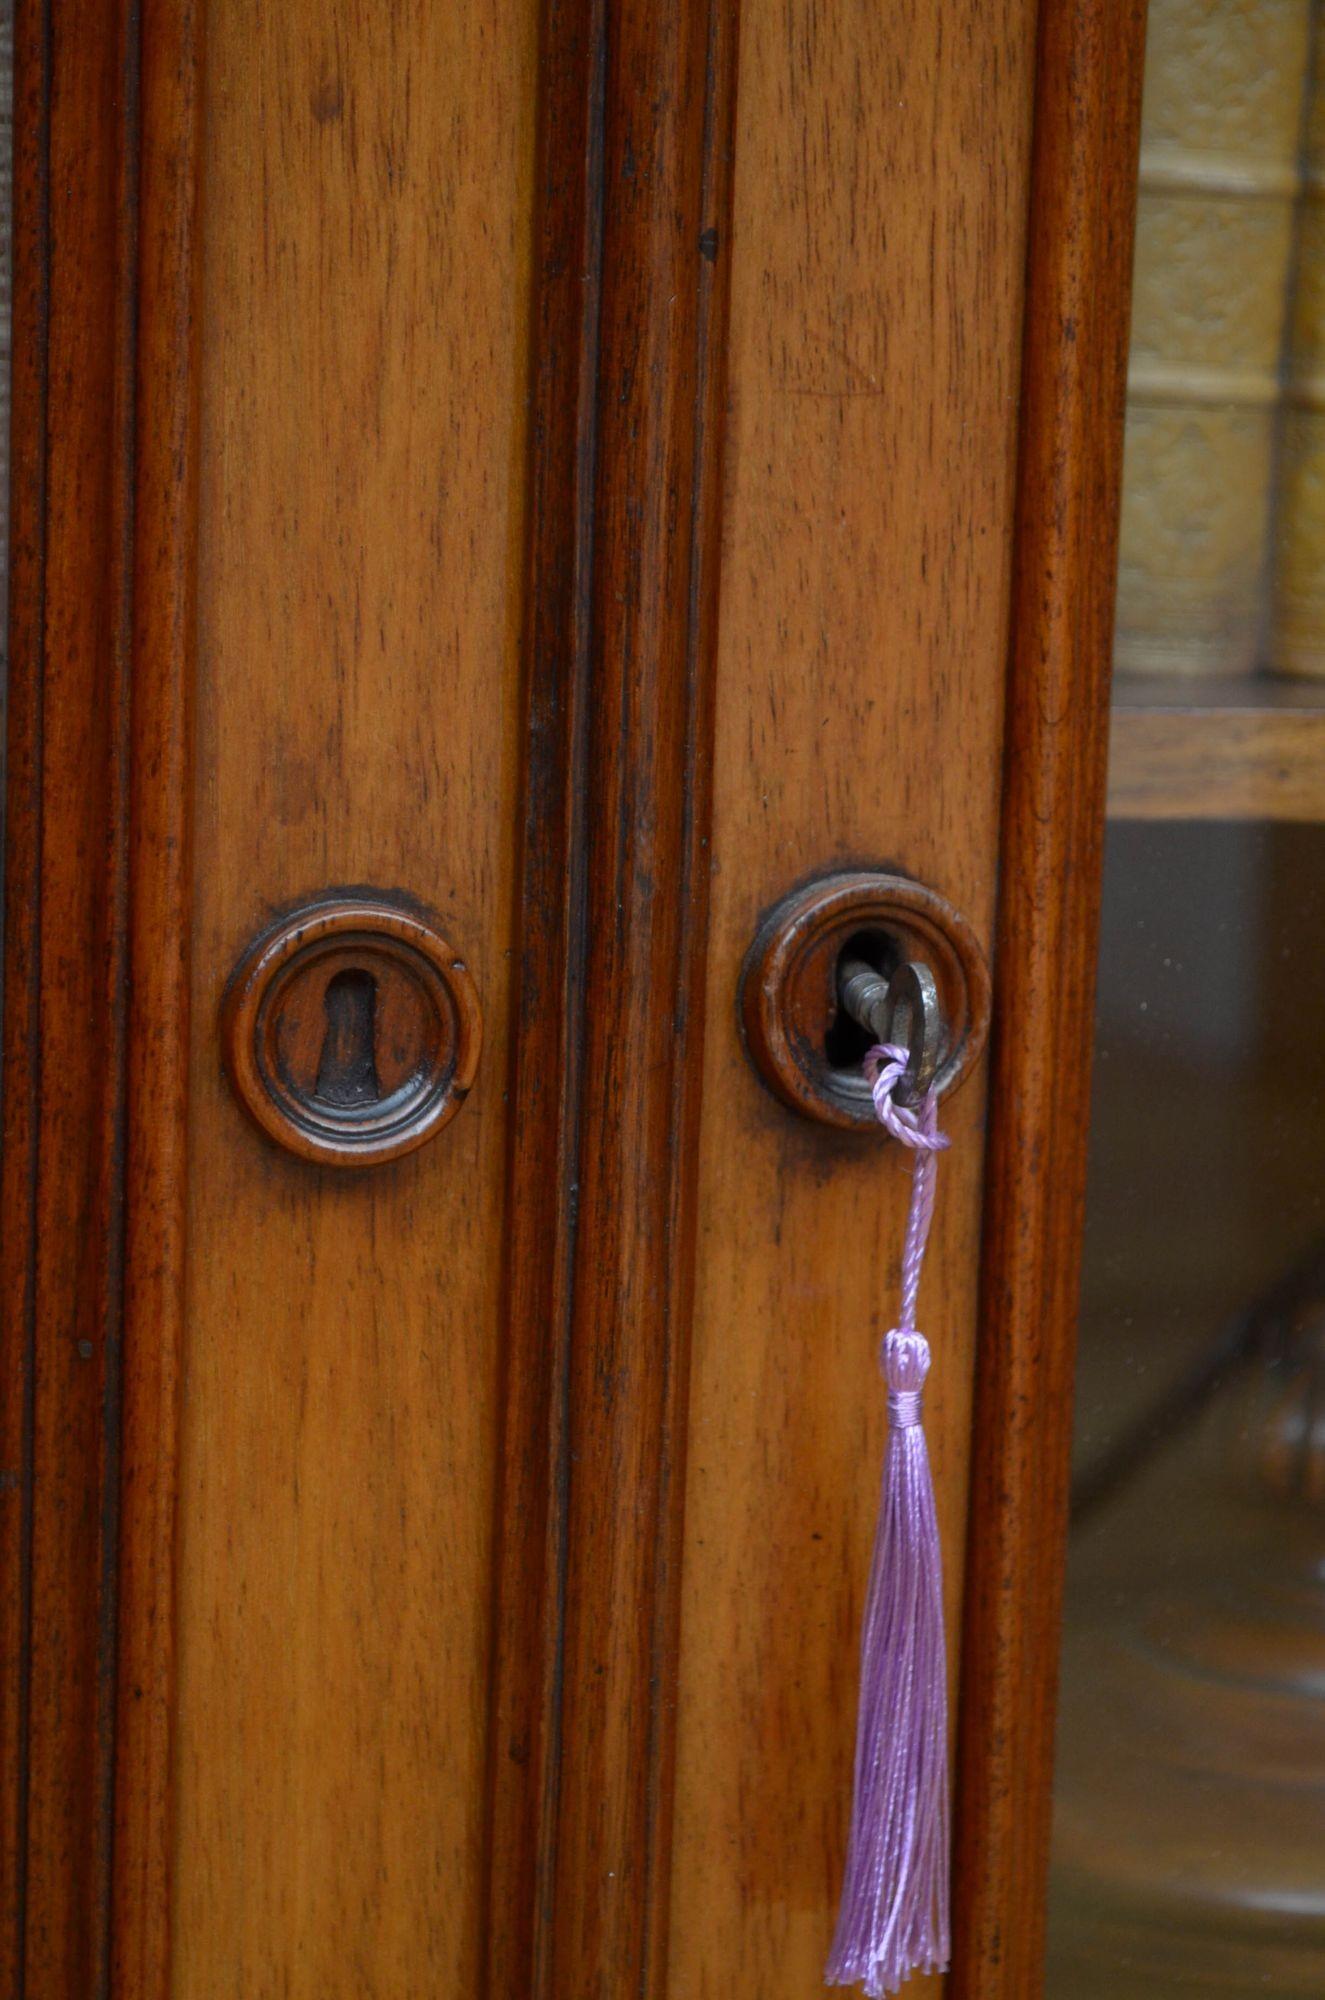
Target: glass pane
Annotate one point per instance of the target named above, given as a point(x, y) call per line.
point(1189, 1834)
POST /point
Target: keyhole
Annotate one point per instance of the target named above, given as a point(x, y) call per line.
point(847, 1044)
point(347, 1068)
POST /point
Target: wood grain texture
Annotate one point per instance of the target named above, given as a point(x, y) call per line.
point(22, 947)
point(1077, 308)
point(668, 101)
point(65, 988)
point(1252, 749)
point(545, 1058)
point(366, 201)
point(881, 187)
point(160, 811)
point(27, 561)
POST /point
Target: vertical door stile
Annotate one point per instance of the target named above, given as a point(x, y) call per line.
point(72, 869)
point(1083, 192)
point(22, 948)
point(159, 945)
point(523, 1742)
point(611, 925)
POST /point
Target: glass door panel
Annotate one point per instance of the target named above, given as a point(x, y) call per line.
point(1189, 1838)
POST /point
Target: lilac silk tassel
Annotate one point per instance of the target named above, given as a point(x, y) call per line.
point(893, 1918)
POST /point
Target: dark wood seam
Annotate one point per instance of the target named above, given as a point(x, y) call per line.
point(704, 557)
point(164, 529)
point(39, 419)
point(645, 946)
point(547, 1004)
point(117, 977)
point(576, 945)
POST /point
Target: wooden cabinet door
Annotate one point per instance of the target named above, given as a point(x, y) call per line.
point(547, 479)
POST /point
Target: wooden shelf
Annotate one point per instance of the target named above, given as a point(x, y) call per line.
point(1217, 749)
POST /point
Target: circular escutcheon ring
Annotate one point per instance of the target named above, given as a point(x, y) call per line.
point(789, 994)
point(351, 1030)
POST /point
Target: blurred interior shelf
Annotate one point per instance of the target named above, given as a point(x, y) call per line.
point(1217, 749)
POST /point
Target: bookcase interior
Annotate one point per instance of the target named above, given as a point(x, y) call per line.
point(1219, 709)
point(1217, 748)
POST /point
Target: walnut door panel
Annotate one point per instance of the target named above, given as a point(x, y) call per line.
point(870, 475)
point(364, 190)
point(274, 298)
point(559, 475)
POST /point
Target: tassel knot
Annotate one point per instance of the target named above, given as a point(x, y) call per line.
point(894, 1912)
point(905, 1408)
point(904, 1359)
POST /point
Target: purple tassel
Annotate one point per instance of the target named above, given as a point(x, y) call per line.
point(893, 1918)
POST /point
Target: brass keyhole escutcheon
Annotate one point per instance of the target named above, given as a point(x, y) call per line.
point(351, 1030)
point(798, 1035)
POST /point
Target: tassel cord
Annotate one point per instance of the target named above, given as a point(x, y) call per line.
point(894, 1912)
point(916, 1127)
